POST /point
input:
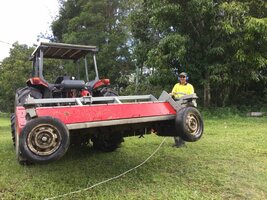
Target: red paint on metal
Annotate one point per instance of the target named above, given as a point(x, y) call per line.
point(37, 81)
point(93, 113)
point(85, 93)
point(79, 114)
point(101, 82)
point(21, 118)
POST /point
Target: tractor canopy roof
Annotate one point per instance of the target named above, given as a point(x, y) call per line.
point(62, 51)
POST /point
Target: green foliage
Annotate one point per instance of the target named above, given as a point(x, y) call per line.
point(169, 48)
point(14, 71)
point(222, 44)
point(99, 23)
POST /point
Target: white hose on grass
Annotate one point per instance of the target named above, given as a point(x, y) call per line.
point(110, 179)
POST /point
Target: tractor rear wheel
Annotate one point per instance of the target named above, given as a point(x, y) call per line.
point(107, 143)
point(13, 128)
point(107, 92)
point(22, 95)
point(20, 98)
point(189, 124)
point(44, 139)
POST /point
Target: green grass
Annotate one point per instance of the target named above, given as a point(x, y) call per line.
point(229, 162)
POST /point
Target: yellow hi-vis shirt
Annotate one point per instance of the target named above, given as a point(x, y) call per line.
point(186, 89)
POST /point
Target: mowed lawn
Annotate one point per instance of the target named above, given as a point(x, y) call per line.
point(229, 162)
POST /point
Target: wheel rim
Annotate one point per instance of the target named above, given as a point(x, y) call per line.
point(193, 124)
point(44, 139)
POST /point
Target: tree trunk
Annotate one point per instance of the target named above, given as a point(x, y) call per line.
point(207, 95)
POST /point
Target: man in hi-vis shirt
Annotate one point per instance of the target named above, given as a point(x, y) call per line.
point(181, 88)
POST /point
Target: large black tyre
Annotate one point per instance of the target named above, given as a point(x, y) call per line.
point(20, 98)
point(43, 139)
point(24, 93)
point(104, 92)
point(13, 128)
point(79, 139)
point(107, 92)
point(107, 143)
point(189, 124)
point(13, 116)
point(22, 160)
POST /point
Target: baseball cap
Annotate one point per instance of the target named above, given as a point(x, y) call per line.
point(182, 74)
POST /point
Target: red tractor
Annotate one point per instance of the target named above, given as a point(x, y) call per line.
point(50, 116)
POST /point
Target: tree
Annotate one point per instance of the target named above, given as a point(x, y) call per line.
point(221, 44)
point(100, 23)
point(14, 71)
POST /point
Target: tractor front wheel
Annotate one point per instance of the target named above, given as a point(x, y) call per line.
point(44, 139)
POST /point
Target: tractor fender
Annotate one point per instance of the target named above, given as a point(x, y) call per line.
point(37, 81)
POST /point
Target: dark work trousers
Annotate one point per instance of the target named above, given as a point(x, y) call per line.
point(178, 142)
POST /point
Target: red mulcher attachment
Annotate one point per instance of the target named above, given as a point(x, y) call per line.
point(45, 126)
point(51, 116)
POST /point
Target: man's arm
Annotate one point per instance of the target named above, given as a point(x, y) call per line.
point(191, 89)
point(173, 90)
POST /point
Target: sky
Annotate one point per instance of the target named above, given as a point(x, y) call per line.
point(22, 21)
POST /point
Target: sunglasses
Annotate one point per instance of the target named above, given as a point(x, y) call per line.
point(182, 76)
